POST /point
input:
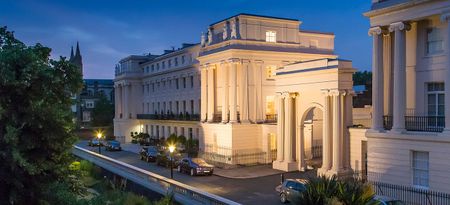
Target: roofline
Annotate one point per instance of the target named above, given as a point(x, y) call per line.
point(317, 32)
point(175, 52)
point(255, 15)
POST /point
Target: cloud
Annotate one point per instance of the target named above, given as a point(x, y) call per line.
point(106, 50)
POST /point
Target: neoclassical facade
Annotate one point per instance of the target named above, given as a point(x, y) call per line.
point(409, 141)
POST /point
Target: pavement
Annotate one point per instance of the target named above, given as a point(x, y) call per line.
point(244, 172)
point(242, 185)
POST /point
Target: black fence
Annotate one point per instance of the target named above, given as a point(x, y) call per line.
point(411, 195)
point(418, 123)
point(181, 117)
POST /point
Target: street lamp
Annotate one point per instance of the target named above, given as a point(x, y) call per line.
point(99, 136)
point(171, 149)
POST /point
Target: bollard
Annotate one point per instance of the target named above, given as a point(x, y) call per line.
point(282, 178)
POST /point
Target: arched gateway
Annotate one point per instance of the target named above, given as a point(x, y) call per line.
point(305, 91)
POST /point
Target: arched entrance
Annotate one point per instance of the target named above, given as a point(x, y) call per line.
point(311, 134)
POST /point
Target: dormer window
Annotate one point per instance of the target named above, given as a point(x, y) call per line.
point(271, 36)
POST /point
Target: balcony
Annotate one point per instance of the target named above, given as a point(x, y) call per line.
point(181, 117)
point(418, 123)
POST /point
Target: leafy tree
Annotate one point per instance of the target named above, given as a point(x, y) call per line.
point(35, 120)
point(362, 78)
point(103, 112)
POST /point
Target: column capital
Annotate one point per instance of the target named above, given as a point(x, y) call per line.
point(377, 30)
point(351, 92)
point(258, 61)
point(289, 94)
point(399, 26)
point(245, 61)
point(222, 62)
point(234, 60)
point(445, 16)
point(337, 92)
point(325, 92)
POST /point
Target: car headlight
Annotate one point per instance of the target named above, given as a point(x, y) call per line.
point(199, 169)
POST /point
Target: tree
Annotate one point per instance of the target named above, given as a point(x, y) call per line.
point(103, 112)
point(362, 78)
point(35, 120)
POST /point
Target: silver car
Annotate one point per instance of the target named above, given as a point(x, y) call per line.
point(291, 189)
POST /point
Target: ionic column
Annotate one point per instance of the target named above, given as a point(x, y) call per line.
point(126, 113)
point(327, 137)
point(224, 69)
point(377, 79)
point(299, 135)
point(280, 127)
point(399, 75)
point(211, 94)
point(204, 93)
point(116, 103)
point(446, 18)
point(337, 131)
point(289, 127)
point(244, 91)
point(259, 106)
point(233, 91)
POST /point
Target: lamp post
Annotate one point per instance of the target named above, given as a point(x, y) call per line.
point(99, 136)
point(171, 149)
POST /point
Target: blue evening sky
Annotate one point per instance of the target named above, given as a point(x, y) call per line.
point(110, 30)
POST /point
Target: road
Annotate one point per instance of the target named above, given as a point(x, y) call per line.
point(245, 191)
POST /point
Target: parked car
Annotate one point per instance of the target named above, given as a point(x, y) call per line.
point(385, 200)
point(95, 142)
point(195, 166)
point(291, 189)
point(149, 153)
point(163, 159)
point(113, 145)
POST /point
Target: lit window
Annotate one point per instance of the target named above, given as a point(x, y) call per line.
point(420, 168)
point(270, 105)
point(271, 36)
point(435, 42)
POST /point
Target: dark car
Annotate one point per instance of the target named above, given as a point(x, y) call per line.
point(94, 142)
point(291, 189)
point(113, 145)
point(163, 159)
point(195, 166)
point(149, 153)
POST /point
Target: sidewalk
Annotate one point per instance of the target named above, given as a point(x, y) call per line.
point(247, 172)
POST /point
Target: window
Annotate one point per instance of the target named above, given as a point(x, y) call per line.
point(271, 36)
point(176, 84)
point(89, 104)
point(182, 60)
point(176, 61)
point(435, 104)
point(153, 87)
point(153, 68)
point(420, 168)
point(163, 64)
point(192, 81)
point(170, 63)
point(435, 41)
point(190, 133)
point(157, 66)
point(192, 106)
point(184, 82)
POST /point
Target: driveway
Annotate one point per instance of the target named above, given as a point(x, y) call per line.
point(259, 190)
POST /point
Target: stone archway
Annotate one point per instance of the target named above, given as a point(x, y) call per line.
point(310, 137)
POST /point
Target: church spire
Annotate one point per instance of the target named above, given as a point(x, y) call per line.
point(71, 54)
point(78, 50)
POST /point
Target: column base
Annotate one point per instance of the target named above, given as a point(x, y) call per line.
point(233, 121)
point(343, 173)
point(285, 166)
point(245, 121)
point(398, 130)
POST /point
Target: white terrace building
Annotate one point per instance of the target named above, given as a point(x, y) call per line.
point(159, 95)
point(409, 142)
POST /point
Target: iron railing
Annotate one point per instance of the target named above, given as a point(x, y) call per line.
point(411, 195)
point(271, 118)
point(418, 123)
point(184, 194)
point(185, 117)
point(217, 118)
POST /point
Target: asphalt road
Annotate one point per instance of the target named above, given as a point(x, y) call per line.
point(245, 191)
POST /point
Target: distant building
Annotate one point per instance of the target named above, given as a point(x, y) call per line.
point(93, 89)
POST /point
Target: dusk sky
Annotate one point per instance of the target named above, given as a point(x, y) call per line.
point(110, 30)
